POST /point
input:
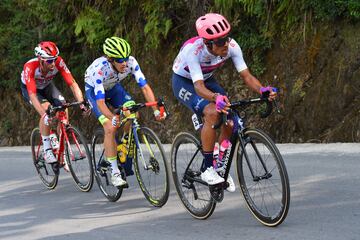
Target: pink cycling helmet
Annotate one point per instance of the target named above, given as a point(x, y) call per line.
point(212, 26)
point(47, 50)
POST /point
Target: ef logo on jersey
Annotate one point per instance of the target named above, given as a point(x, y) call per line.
point(184, 94)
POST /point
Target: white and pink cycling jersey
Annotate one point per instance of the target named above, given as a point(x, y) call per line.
point(195, 62)
point(32, 77)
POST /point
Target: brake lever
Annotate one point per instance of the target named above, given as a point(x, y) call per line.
point(277, 106)
point(161, 103)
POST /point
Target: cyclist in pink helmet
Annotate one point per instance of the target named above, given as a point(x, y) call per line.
point(212, 26)
point(194, 85)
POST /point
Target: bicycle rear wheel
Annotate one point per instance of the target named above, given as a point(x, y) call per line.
point(186, 160)
point(44, 170)
point(266, 191)
point(101, 168)
point(78, 158)
point(150, 167)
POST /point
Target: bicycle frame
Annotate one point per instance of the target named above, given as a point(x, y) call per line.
point(236, 136)
point(61, 115)
point(134, 138)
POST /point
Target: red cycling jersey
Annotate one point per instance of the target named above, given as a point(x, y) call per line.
point(32, 77)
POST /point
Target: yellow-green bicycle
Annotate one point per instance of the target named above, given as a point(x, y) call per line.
point(144, 151)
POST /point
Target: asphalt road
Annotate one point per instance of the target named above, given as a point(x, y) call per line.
point(325, 204)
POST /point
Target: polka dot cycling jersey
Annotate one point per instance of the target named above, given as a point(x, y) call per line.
point(195, 62)
point(101, 76)
point(33, 78)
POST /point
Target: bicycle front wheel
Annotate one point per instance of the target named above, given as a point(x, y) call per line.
point(44, 170)
point(101, 168)
point(78, 158)
point(263, 178)
point(186, 161)
point(150, 167)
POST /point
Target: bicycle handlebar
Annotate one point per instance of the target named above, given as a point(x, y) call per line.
point(136, 107)
point(245, 102)
point(52, 110)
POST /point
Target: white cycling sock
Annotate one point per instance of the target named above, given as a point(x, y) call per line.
point(114, 166)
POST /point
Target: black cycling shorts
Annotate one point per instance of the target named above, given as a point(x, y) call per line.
point(49, 94)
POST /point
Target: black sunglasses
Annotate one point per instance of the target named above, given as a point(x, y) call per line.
point(121, 60)
point(220, 42)
point(49, 61)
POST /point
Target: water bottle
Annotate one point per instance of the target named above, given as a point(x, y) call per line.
point(122, 150)
point(54, 141)
point(224, 152)
point(225, 144)
point(216, 155)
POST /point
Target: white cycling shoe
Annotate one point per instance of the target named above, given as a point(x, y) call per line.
point(49, 156)
point(211, 177)
point(231, 187)
point(117, 180)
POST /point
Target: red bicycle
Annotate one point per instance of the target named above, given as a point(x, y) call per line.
point(72, 152)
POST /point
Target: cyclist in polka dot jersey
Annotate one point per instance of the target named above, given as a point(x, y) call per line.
point(102, 86)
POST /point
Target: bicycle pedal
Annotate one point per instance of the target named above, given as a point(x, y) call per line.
point(123, 186)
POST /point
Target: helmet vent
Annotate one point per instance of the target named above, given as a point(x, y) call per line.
point(48, 50)
point(216, 28)
point(226, 25)
point(209, 31)
point(222, 26)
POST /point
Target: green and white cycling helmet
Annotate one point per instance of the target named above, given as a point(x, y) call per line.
point(116, 47)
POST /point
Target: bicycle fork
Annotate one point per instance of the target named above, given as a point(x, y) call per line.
point(245, 140)
point(135, 127)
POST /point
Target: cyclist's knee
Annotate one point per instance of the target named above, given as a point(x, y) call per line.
point(45, 105)
point(210, 114)
point(108, 128)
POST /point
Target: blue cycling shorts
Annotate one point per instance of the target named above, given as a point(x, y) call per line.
point(116, 97)
point(184, 91)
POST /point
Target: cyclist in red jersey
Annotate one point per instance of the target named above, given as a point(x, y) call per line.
point(39, 90)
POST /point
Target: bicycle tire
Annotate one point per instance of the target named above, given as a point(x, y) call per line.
point(153, 178)
point(45, 170)
point(271, 203)
point(79, 159)
point(103, 177)
point(183, 149)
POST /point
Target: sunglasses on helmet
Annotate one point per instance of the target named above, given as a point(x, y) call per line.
point(220, 42)
point(121, 60)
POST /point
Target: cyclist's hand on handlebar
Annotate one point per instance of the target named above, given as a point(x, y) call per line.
point(160, 115)
point(85, 109)
point(272, 92)
point(222, 104)
point(115, 121)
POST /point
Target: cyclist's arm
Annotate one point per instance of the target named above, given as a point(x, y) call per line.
point(203, 91)
point(104, 109)
point(36, 103)
point(149, 94)
point(237, 57)
point(77, 92)
point(141, 81)
point(251, 81)
point(31, 88)
point(69, 79)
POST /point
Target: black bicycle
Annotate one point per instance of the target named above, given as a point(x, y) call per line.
point(259, 165)
point(147, 154)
